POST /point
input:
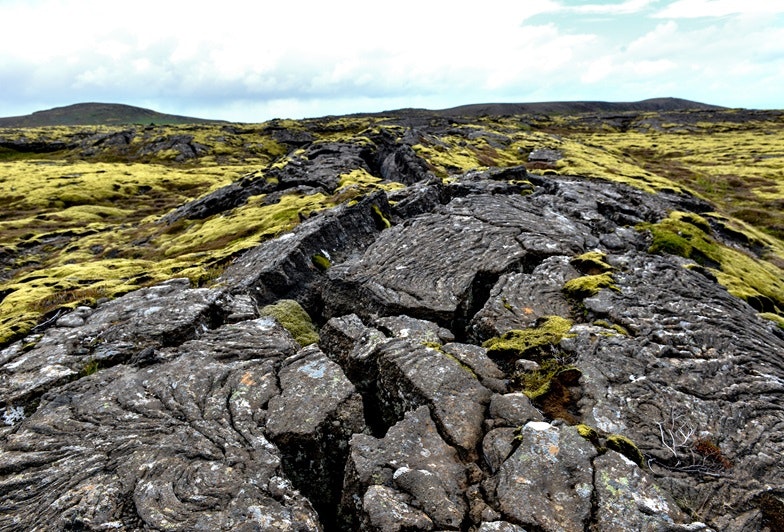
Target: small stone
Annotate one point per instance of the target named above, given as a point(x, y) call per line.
point(513, 409)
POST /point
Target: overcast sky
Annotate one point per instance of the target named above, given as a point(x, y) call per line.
point(253, 60)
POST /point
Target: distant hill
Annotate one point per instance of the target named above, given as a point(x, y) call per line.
point(93, 114)
point(550, 108)
point(653, 104)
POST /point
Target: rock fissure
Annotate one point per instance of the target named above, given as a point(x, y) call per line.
point(450, 380)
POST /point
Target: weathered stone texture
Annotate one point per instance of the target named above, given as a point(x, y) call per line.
point(172, 407)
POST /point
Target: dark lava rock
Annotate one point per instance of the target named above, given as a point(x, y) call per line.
point(180, 444)
point(284, 267)
point(547, 483)
point(519, 299)
point(172, 407)
point(418, 470)
point(410, 375)
point(166, 314)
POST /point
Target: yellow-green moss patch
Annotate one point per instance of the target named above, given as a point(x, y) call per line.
point(382, 222)
point(549, 331)
point(321, 262)
point(588, 285)
point(613, 326)
point(755, 280)
point(587, 432)
point(592, 262)
point(779, 320)
point(626, 447)
point(290, 314)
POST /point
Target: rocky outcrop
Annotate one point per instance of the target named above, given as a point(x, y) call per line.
point(499, 352)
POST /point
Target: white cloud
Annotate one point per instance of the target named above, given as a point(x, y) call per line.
point(622, 8)
point(652, 68)
point(235, 57)
point(598, 70)
point(719, 8)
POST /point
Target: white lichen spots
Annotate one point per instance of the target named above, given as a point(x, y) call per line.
point(539, 425)
point(57, 371)
point(268, 522)
point(314, 369)
point(403, 470)
point(243, 403)
point(605, 424)
point(266, 323)
point(151, 310)
point(651, 505)
point(584, 490)
point(13, 414)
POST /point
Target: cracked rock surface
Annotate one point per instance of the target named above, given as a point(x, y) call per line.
point(657, 406)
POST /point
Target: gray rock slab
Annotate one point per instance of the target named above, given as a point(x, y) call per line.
point(697, 366)
point(518, 299)
point(162, 315)
point(314, 388)
point(475, 357)
point(628, 498)
point(177, 445)
point(353, 346)
point(412, 445)
point(497, 445)
point(513, 410)
point(424, 268)
point(311, 422)
point(415, 330)
point(388, 510)
point(547, 483)
point(411, 375)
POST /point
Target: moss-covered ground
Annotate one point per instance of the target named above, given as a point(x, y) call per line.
point(81, 207)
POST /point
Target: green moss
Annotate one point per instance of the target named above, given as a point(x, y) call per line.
point(321, 262)
point(589, 285)
point(604, 161)
point(242, 228)
point(614, 326)
point(626, 447)
point(592, 262)
point(755, 280)
point(360, 179)
point(589, 433)
point(549, 388)
point(778, 320)
point(549, 331)
point(382, 222)
point(537, 383)
point(90, 367)
point(433, 345)
point(290, 314)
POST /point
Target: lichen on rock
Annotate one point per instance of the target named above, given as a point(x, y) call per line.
point(389, 323)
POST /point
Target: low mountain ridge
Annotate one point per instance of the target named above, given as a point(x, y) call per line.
point(89, 114)
point(85, 114)
point(575, 107)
